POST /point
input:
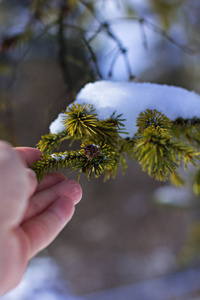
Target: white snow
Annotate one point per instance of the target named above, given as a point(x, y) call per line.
point(57, 125)
point(42, 280)
point(58, 157)
point(130, 99)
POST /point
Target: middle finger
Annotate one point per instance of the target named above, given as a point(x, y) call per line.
point(44, 198)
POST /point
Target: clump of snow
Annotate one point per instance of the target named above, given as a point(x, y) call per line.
point(131, 98)
point(57, 125)
point(59, 156)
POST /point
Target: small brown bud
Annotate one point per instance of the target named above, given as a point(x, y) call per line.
point(91, 151)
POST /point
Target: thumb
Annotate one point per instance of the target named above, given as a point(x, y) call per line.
point(14, 186)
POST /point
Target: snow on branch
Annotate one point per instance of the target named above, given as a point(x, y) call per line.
point(130, 99)
point(156, 125)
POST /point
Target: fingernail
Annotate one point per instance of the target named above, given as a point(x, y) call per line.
point(32, 179)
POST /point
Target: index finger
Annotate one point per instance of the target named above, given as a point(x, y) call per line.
point(28, 155)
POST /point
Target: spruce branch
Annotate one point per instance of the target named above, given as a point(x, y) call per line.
point(155, 146)
point(187, 129)
point(90, 159)
point(184, 153)
point(156, 149)
point(50, 141)
point(152, 151)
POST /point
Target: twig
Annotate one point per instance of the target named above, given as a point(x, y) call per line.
point(160, 31)
point(143, 34)
point(156, 29)
point(93, 56)
point(63, 50)
point(104, 26)
point(122, 49)
point(115, 57)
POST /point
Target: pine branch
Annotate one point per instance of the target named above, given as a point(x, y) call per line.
point(81, 121)
point(90, 159)
point(51, 141)
point(183, 152)
point(155, 147)
point(153, 153)
point(187, 129)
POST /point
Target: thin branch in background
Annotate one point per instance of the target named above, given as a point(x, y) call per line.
point(89, 8)
point(63, 50)
point(157, 30)
point(9, 109)
point(122, 49)
point(161, 32)
point(9, 123)
point(112, 52)
point(86, 42)
point(143, 35)
point(105, 26)
point(95, 34)
point(93, 56)
point(112, 64)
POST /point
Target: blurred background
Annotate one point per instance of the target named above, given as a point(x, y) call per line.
point(131, 237)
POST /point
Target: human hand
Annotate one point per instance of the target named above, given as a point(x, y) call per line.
point(31, 215)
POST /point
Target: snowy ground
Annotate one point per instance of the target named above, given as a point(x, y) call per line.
point(43, 281)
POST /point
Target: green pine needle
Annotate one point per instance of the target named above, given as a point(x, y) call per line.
point(176, 179)
point(153, 153)
point(152, 118)
point(51, 141)
point(196, 184)
point(80, 120)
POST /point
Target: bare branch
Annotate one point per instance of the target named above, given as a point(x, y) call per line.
point(93, 56)
point(157, 30)
point(143, 34)
point(63, 50)
point(161, 32)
